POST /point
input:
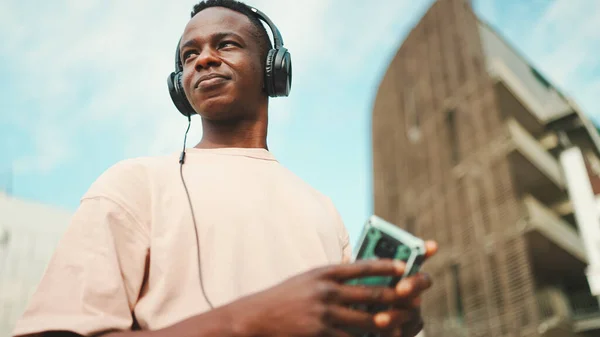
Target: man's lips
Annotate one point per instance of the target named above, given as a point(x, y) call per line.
point(208, 78)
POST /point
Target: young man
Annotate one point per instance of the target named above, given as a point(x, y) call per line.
point(254, 251)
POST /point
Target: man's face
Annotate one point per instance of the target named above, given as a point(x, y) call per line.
point(222, 66)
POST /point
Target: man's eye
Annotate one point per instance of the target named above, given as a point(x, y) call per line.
point(187, 54)
point(227, 44)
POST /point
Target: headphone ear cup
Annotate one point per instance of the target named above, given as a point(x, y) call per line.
point(178, 95)
point(269, 75)
point(282, 73)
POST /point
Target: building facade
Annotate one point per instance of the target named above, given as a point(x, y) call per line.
point(466, 143)
point(29, 233)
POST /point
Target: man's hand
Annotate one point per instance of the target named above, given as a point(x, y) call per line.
point(405, 320)
point(317, 303)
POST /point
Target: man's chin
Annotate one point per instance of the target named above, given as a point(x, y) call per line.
point(217, 108)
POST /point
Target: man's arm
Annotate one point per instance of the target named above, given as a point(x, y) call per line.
point(212, 323)
point(315, 303)
point(97, 271)
point(215, 323)
point(93, 278)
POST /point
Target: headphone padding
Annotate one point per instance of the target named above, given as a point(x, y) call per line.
point(269, 73)
point(178, 95)
point(282, 73)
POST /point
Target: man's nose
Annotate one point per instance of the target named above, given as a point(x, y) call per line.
point(207, 59)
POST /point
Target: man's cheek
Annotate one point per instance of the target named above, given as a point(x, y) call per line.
point(186, 83)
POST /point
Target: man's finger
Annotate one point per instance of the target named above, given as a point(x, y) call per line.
point(348, 294)
point(431, 247)
point(364, 268)
point(409, 289)
point(343, 316)
point(413, 285)
point(393, 319)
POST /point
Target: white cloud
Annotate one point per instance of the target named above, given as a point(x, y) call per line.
point(371, 28)
point(565, 43)
point(117, 56)
point(93, 63)
point(564, 35)
point(103, 64)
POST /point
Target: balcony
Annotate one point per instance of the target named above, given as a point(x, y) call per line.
point(567, 313)
point(554, 244)
point(585, 310)
point(508, 66)
point(554, 311)
point(536, 171)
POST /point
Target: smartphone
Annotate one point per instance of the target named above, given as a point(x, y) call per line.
point(382, 239)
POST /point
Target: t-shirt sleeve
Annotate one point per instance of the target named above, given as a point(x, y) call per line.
point(95, 275)
point(343, 235)
point(346, 247)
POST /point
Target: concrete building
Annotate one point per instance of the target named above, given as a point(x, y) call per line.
point(467, 140)
point(29, 233)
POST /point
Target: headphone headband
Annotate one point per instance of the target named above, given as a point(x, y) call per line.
point(277, 39)
point(178, 64)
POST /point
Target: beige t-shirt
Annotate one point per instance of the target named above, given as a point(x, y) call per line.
point(129, 254)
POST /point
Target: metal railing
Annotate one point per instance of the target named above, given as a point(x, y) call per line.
point(583, 305)
point(562, 310)
point(546, 307)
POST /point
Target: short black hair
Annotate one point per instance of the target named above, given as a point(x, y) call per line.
point(260, 32)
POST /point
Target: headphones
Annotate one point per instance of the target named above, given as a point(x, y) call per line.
point(278, 71)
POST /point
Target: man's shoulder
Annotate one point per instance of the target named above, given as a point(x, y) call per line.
point(308, 189)
point(137, 165)
point(130, 175)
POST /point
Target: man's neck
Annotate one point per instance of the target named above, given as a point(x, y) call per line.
point(239, 133)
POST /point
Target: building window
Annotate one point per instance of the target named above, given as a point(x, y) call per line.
point(452, 136)
point(497, 295)
point(459, 307)
point(483, 207)
point(413, 121)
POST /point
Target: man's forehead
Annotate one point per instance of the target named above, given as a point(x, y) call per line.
point(217, 19)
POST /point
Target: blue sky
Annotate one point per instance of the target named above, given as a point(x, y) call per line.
point(82, 84)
